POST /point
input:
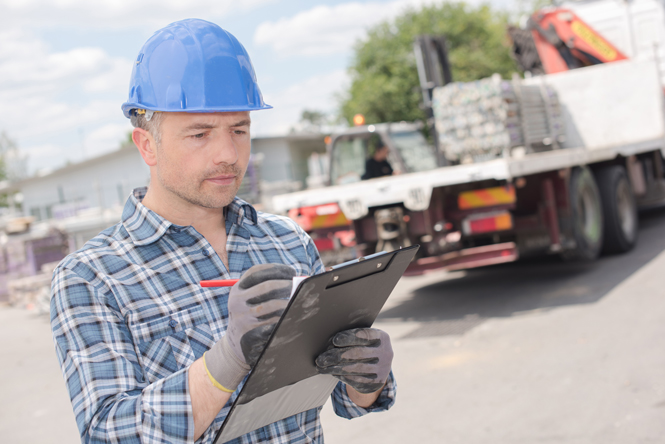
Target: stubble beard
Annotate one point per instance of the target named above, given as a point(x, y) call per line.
point(201, 193)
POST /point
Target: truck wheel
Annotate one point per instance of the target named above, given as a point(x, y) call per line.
point(619, 209)
point(586, 217)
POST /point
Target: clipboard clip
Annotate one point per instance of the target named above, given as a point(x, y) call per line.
point(355, 261)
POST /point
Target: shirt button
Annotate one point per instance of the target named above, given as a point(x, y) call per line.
point(176, 229)
point(173, 323)
point(205, 252)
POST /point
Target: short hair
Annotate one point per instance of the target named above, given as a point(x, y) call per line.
point(153, 126)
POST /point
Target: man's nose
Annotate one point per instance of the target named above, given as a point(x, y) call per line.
point(225, 150)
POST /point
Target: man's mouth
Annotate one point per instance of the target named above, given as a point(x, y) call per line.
point(223, 179)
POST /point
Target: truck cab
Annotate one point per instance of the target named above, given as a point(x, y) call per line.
point(349, 151)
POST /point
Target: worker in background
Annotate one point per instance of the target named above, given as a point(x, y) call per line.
point(147, 354)
point(377, 165)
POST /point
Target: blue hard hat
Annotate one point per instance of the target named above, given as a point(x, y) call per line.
point(193, 66)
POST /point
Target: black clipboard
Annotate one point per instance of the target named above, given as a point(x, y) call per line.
point(284, 381)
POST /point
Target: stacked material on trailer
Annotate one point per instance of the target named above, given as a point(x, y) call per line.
point(483, 120)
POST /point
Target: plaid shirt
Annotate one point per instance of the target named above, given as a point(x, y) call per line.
point(129, 318)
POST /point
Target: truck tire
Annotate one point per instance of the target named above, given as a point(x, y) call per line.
point(586, 223)
point(619, 209)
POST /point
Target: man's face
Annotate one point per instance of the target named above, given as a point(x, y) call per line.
point(381, 153)
point(203, 157)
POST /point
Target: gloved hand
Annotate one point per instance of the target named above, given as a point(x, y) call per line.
point(360, 357)
point(255, 304)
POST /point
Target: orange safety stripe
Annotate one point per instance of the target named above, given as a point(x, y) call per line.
point(487, 197)
point(329, 220)
point(594, 40)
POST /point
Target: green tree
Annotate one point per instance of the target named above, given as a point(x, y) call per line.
point(313, 117)
point(6, 145)
point(384, 77)
point(13, 164)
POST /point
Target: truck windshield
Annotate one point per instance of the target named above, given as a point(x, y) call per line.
point(348, 160)
point(416, 153)
point(349, 154)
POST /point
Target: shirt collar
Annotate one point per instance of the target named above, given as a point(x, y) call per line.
point(145, 226)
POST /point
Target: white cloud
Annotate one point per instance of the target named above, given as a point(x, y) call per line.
point(27, 67)
point(315, 93)
point(80, 145)
point(46, 157)
point(105, 138)
point(328, 29)
point(46, 150)
point(55, 93)
point(116, 14)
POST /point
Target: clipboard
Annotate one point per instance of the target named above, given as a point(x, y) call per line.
point(284, 381)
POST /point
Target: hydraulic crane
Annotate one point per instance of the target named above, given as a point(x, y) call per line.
point(562, 41)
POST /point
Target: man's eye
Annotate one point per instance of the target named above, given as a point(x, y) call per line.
point(240, 132)
point(199, 136)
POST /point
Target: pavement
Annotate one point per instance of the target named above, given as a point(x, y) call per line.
point(534, 352)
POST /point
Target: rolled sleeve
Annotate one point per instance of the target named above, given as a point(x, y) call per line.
point(111, 398)
point(346, 408)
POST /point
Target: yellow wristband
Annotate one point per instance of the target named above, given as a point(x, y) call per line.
point(214, 382)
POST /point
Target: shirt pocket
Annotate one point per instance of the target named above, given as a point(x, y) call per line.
point(172, 342)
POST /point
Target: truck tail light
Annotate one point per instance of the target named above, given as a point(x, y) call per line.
point(324, 244)
point(487, 223)
point(337, 239)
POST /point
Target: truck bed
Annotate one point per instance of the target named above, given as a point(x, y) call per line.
point(415, 189)
point(610, 110)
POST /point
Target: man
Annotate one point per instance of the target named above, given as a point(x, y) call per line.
point(377, 165)
point(148, 355)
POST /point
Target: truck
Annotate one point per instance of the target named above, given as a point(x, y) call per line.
point(556, 163)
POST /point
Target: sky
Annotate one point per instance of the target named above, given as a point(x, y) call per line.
point(65, 64)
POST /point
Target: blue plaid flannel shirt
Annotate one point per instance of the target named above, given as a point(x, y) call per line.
point(129, 318)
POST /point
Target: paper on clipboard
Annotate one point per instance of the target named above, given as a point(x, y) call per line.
point(296, 281)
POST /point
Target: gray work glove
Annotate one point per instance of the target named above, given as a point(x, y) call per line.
point(360, 357)
point(255, 305)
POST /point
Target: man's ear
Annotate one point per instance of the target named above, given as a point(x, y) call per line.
point(146, 145)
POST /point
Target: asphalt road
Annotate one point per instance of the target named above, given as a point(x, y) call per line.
point(538, 351)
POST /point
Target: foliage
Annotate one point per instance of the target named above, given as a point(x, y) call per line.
point(6, 145)
point(13, 164)
point(315, 121)
point(315, 118)
point(384, 77)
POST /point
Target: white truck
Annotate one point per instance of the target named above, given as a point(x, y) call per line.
point(576, 197)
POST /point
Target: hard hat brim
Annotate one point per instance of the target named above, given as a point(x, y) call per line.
point(128, 107)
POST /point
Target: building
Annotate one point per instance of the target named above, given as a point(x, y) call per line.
point(102, 182)
point(285, 158)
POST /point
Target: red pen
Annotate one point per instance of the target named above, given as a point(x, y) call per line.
point(219, 283)
point(232, 282)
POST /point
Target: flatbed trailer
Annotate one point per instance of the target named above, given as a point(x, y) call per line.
point(576, 200)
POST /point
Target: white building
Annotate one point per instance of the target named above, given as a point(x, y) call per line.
point(285, 158)
point(101, 182)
